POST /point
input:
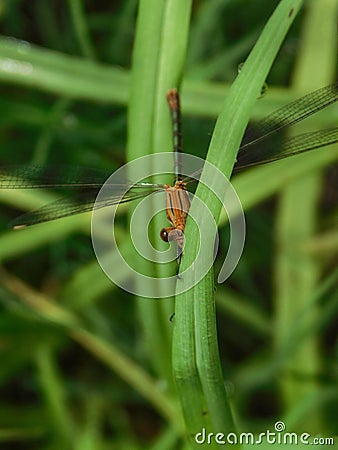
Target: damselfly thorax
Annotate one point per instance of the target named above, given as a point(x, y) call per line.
point(177, 209)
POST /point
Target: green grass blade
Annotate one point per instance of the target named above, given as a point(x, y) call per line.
point(230, 126)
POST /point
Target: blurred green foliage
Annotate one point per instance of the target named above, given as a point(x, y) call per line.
point(76, 370)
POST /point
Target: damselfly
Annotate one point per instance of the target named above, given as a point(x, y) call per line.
point(87, 182)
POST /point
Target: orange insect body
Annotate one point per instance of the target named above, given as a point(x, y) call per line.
point(177, 209)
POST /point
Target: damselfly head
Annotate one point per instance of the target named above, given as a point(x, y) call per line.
point(171, 234)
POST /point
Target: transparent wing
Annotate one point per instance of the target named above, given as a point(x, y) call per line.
point(51, 177)
point(267, 144)
point(273, 151)
point(85, 183)
point(83, 201)
point(292, 113)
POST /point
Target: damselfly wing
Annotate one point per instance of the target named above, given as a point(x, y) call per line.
point(87, 182)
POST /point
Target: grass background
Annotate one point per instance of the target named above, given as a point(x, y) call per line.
point(80, 366)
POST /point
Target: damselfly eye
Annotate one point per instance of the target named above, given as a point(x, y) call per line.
point(164, 235)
